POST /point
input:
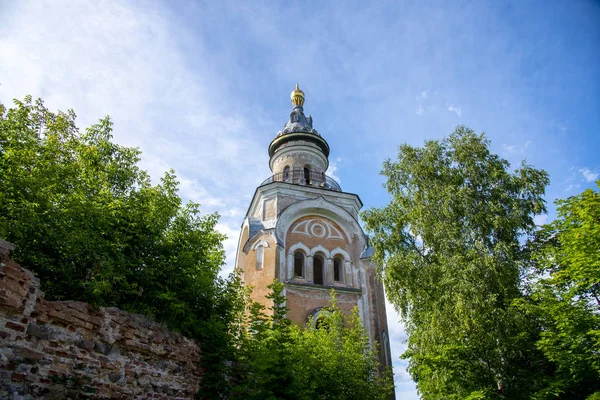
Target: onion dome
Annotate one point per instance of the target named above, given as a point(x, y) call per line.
point(297, 97)
point(298, 127)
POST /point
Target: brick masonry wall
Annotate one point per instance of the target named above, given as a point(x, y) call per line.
point(70, 350)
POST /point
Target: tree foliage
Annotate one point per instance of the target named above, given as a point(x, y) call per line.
point(449, 241)
point(284, 361)
point(89, 222)
point(565, 297)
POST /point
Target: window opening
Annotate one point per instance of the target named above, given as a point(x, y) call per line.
point(259, 257)
point(338, 269)
point(299, 264)
point(307, 176)
point(318, 269)
point(286, 173)
point(319, 318)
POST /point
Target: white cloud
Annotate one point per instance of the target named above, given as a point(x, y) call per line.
point(455, 109)
point(112, 58)
point(515, 149)
point(235, 212)
point(572, 186)
point(588, 175)
point(422, 96)
point(405, 387)
point(332, 171)
point(229, 245)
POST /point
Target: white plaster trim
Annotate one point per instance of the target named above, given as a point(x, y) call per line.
point(341, 251)
point(319, 248)
point(307, 228)
point(261, 242)
point(366, 308)
point(300, 246)
point(251, 244)
point(282, 274)
point(344, 199)
point(321, 207)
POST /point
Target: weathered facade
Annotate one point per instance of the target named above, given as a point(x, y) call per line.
point(302, 229)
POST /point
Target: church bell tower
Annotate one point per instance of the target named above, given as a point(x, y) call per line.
point(303, 229)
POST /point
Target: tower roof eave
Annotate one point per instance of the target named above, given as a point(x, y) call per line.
point(288, 137)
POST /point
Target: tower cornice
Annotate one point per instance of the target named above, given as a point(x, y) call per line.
point(299, 136)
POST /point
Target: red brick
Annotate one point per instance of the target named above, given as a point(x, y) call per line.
point(14, 286)
point(14, 326)
point(13, 269)
point(29, 354)
point(11, 301)
point(17, 377)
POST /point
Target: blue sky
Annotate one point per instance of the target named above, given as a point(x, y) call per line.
point(203, 87)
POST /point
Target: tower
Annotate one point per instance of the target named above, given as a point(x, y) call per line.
point(302, 229)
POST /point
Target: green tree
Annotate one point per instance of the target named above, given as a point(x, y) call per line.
point(265, 362)
point(283, 361)
point(333, 359)
point(88, 221)
point(449, 245)
point(566, 296)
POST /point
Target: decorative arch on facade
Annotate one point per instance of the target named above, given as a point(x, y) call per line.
point(320, 249)
point(312, 319)
point(342, 252)
point(300, 246)
point(323, 208)
point(261, 242)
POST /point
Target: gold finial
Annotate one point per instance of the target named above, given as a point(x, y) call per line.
point(297, 97)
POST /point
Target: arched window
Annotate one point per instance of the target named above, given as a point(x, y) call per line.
point(286, 173)
point(318, 264)
point(307, 175)
point(319, 318)
point(299, 263)
point(338, 269)
point(259, 257)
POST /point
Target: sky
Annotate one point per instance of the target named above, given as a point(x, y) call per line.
point(203, 87)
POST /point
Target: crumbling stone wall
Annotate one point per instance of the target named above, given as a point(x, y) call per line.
point(70, 350)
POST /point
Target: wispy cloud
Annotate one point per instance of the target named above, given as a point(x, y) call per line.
point(420, 99)
point(572, 186)
point(515, 149)
point(588, 175)
point(115, 59)
point(455, 109)
point(333, 169)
